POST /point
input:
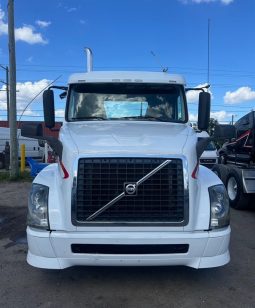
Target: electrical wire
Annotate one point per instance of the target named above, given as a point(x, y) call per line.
point(36, 97)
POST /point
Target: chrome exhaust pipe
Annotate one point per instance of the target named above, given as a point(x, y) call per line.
point(89, 59)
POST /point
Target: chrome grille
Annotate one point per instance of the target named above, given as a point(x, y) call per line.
point(160, 199)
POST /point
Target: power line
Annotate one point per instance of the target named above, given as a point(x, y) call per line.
point(144, 67)
point(203, 69)
point(37, 96)
point(131, 68)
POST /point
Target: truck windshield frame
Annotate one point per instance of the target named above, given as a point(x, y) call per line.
point(126, 102)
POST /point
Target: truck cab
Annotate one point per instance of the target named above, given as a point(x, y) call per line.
point(128, 188)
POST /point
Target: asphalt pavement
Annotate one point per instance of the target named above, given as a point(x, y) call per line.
point(24, 286)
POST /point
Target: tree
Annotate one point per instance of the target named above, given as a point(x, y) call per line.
point(212, 123)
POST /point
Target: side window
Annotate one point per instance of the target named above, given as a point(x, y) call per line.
point(71, 111)
point(180, 111)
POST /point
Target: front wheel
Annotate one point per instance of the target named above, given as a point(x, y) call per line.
point(237, 198)
point(221, 171)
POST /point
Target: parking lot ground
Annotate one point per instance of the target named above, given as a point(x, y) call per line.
point(24, 286)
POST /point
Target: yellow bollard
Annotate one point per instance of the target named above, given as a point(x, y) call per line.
point(22, 157)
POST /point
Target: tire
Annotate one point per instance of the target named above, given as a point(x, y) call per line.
point(221, 171)
point(237, 198)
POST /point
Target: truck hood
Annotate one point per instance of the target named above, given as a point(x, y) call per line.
point(118, 137)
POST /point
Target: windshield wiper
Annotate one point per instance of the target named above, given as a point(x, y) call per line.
point(89, 118)
point(154, 118)
point(140, 117)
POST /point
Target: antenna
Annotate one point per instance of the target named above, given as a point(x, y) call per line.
point(164, 69)
point(208, 52)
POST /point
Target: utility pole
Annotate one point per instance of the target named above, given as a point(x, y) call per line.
point(7, 89)
point(12, 110)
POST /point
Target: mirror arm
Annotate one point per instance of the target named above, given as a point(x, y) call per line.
point(198, 89)
point(64, 88)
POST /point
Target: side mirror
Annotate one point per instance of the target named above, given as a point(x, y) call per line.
point(48, 108)
point(204, 108)
point(32, 130)
point(225, 131)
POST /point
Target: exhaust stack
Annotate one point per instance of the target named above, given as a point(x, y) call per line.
point(89, 59)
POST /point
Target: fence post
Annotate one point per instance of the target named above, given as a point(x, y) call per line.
point(22, 157)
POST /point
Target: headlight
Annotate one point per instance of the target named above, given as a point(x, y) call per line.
point(219, 207)
point(38, 207)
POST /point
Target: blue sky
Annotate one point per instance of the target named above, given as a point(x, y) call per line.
point(51, 35)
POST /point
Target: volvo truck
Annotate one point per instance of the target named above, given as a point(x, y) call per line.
point(127, 188)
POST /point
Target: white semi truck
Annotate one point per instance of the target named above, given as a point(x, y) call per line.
point(128, 188)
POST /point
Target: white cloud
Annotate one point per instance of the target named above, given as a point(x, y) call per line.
point(82, 21)
point(225, 2)
point(3, 25)
point(25, 33)
point(3, 105)
point(28, 112)
point(221, 116)
point(243, 94)
point(192, 96)
point(192, 117)
point(71, 9)
point(42, 23)
point(60, 113)
point(26, 91)
point(30, 59)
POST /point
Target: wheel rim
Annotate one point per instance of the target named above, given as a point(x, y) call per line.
point(232, 188)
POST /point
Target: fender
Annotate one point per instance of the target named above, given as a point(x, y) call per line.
point(51, 177)
point(205, 179)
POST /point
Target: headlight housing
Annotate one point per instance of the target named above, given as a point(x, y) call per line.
point(219, 207)
point(38, 207)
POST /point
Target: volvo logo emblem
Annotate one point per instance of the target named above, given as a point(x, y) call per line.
point(130, 189)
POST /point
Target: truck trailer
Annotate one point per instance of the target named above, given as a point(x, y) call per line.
point(237, 161)
point(127, 188)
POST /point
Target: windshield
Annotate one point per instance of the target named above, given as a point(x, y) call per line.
point(211, 146)
point(140, 102)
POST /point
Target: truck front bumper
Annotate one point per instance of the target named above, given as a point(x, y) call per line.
point(52, 250)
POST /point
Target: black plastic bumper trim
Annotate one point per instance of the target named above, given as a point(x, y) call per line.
point(129, 249)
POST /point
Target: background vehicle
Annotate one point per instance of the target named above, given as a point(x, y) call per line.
point(210, 155)
point(237, 157)
point(127, 188)
point(32, 147)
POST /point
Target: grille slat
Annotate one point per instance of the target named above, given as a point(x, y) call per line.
point(161, 198)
